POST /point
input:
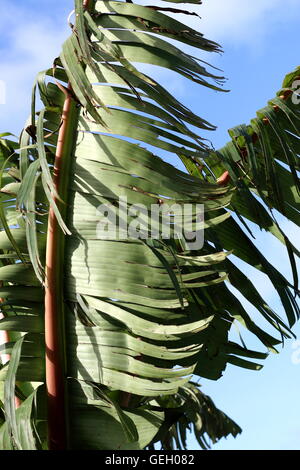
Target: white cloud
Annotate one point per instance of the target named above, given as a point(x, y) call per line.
point(245, 20)
point(33, 38)
point(29, 45)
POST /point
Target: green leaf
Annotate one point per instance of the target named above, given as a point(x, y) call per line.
point(9, 394)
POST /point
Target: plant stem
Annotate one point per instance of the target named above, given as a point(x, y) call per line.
point(54, 295)
point(54, 302)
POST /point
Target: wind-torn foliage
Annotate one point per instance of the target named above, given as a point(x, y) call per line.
point(140, 317)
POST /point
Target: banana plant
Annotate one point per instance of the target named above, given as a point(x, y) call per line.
point(107, 334)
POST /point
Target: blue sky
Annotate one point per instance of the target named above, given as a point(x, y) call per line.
point(260, 40)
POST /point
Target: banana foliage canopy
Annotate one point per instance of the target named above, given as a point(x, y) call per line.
point(138, 318)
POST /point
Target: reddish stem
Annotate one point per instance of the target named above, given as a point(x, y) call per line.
point(224, 178)
point(55, 380)
point(54, 322)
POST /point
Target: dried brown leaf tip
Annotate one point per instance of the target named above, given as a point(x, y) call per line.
point(285, 94)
